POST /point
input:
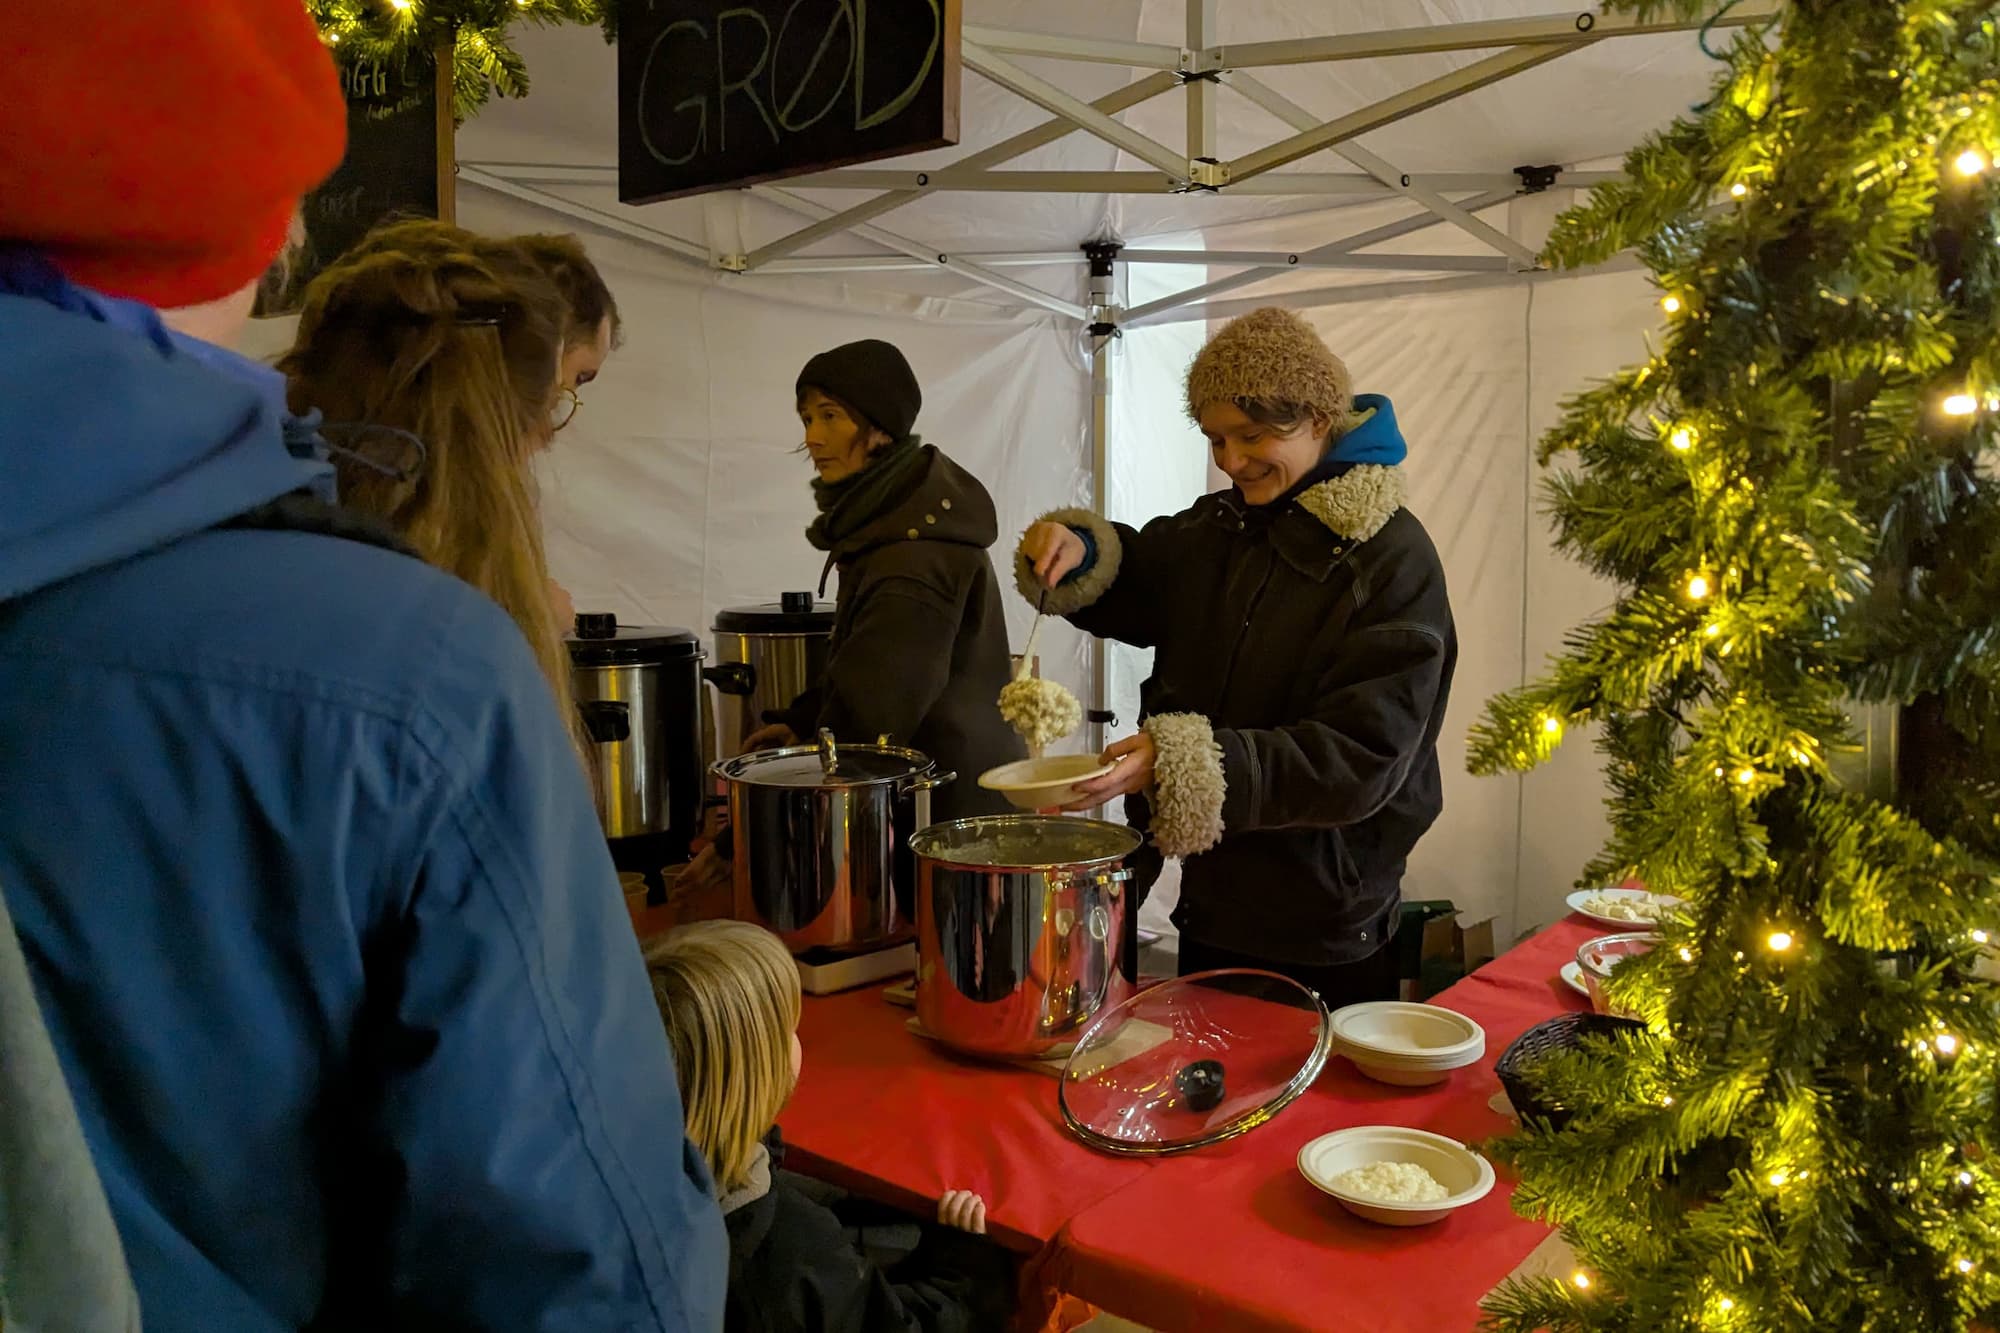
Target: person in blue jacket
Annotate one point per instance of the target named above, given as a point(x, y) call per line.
point(304, 868)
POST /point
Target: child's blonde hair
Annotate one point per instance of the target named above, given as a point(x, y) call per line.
point(729, 994)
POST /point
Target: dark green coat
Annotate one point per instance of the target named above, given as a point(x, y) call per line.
point(919, 650)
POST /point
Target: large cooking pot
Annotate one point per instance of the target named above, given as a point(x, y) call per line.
point(821, 838)
point(638, 689)
point(1019, 919)
point(765, 657)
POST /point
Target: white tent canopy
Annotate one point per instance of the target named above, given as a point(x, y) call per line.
point(1386, 163)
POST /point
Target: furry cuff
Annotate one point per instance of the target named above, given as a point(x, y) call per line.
point(1357, 503)
point(1083, 589)
point(1188, 784)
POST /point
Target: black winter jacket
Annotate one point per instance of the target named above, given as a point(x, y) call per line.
point(794, 1267)
point(919, 650)
point(1304, 657)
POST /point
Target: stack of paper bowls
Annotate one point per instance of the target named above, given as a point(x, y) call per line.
point(1409, 1045)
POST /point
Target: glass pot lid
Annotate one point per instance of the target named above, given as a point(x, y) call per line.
point(1194, 1061)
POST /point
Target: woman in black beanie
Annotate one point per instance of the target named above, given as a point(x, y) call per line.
point(919, 650)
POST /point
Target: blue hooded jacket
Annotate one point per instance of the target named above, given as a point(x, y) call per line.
point(309, 884)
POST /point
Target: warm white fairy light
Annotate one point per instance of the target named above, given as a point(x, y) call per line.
point(1687, 954)
point(1725, 1305)
point(1746, 776)
point(1552, 726)
point(1581, 1279)
point(1965, 1177)
point(1671, 304)
point(1966, 1265)
point(1681, 440)
point(1698, 587)
point(1945, 1043)
point(1778, 1179)
point(1960, 405)
point(1979, 937)
point(1971, 162)
point(1778, 941)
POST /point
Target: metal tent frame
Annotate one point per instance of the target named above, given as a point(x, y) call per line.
point(1200, 68)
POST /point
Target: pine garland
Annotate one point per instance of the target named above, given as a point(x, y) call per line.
point(406, 34)
point(1796, 496)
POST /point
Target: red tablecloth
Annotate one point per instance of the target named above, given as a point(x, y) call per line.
point(888, 1114)
point(1234, 1238)
point(1230, 1237)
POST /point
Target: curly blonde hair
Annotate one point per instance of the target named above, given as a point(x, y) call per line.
point(459, 346)
point(729, 994)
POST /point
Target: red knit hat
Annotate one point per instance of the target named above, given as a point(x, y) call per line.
point(156, 149)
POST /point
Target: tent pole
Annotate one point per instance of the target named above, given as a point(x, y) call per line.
point(1201, 88)
point(1005, 151)
point(1480, 33)
point(1152, 311)
point(1431, 92)
point(1103, 331)
point(1299, 118)
point(1052, 46)
point(596, 217)
point(1074, 109)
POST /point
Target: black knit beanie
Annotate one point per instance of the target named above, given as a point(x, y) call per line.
point(872, 377)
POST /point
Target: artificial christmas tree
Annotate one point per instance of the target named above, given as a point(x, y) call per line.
point(1795, 496)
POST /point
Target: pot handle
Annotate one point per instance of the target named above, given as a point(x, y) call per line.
point(605, 721)
point(734, 678)
point(829, 752)
point(930, 781)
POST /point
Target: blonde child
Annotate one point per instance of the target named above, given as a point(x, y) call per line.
point(729, 994)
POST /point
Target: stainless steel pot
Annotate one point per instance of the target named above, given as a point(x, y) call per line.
point(821, 839)
point(1019, 919)
point(765, 657)
point(638, 689)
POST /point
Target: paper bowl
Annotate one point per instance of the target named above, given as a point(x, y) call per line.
point(1407, 1045)
point(1042, 784)
point(1453, 1165)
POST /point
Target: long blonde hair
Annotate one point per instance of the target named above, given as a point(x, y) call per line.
point(460, 347)
point(729, 994)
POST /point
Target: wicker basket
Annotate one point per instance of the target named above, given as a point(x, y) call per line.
point(1557, 1034)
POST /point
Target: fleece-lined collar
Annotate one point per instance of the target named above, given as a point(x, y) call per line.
point(753, 1189)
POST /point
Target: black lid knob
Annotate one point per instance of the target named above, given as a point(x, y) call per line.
point(596, 625)
point(795, 603)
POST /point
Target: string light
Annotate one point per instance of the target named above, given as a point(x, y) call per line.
point(1552, 726)
point(1697, 586)
point(402, 4)
point(1711, 630)
point(1725, 1305)
point(1979, 937)
point(1581, 1279)
point(1960, 405)
point(1738, 190)
point(1687, 954)
point(1682, 440)
point(1965, 1265)
point(1971, 162)
point(1671, 304)
point(1965, 1177)
point(1778, 1179)
point(1746, 776)
point(1666, 1100)
point(1946, 1044)
point(1778, 941)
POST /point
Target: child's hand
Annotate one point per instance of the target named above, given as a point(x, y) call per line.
point(963, 1210)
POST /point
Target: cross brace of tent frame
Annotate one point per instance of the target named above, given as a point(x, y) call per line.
point(1200, 69)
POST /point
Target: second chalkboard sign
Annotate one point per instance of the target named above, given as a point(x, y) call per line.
point(718, 95)
point(398, 163)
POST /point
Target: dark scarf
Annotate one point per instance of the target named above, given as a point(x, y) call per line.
point(852, 503)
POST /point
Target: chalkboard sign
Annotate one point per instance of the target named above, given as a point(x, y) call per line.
point(714, 94)
point(396, 144)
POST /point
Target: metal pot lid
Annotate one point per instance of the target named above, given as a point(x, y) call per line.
point(792, 613)
point(804, 766)
point(599, 640)
point(1026, 842)
point(1194, 1061)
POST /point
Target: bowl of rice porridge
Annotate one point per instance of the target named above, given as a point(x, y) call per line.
point(1395, 1176)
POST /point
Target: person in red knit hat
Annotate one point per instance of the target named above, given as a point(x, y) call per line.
point(311, 897)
